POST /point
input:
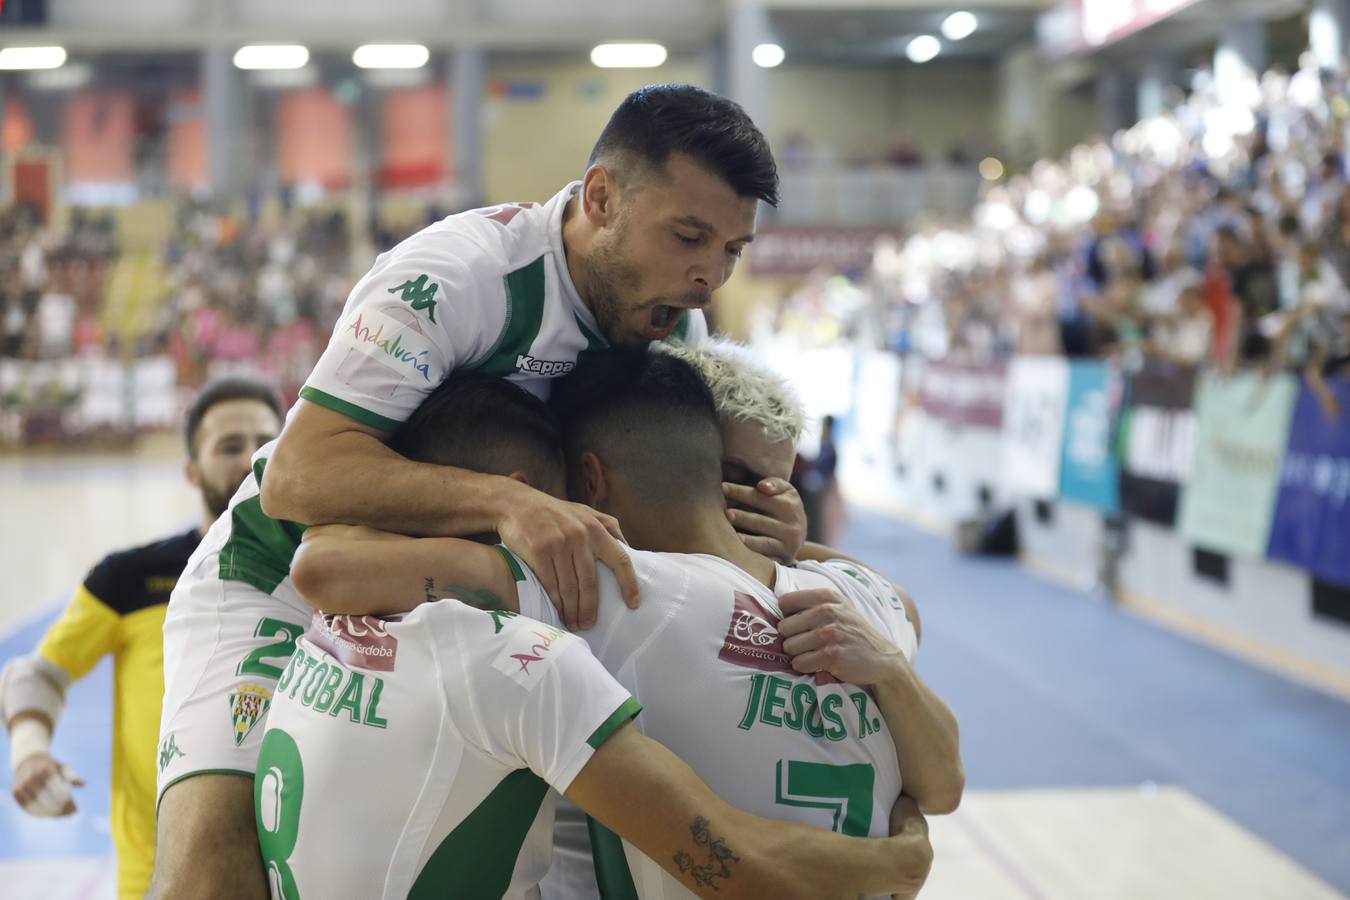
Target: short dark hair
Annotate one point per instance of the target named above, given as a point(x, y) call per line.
point(648, 416)
point(486, 424)
point(660, 119)
point(221, 390)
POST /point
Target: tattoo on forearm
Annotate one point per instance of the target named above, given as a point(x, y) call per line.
point(476, 599)
point(719, 856)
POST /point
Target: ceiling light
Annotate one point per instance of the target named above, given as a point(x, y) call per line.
point(991, 169)
point(959, 26)
point(391, 56)
point(32, 57)
point(271, 56)
point(923, 48)
point(766, 56)
point(628, 56)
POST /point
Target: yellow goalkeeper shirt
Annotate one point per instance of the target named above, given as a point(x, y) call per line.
point(119, 609)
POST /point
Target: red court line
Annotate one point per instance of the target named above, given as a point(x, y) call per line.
point(1010, 867)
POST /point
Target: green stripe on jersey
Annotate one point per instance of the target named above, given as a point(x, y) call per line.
point(350, 410)
point(681, 332)
point(524, 316)
point(627, 710)
point(594, 344)
point(260, 548)
point(612, 874)
point(511, 563)
point(478, 858)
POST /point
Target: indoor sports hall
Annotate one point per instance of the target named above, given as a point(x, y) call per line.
point(1061, 287)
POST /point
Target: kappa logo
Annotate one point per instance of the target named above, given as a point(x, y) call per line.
point(753, 641)
point(168, 749)
point(420, 294)
point(546, 367)
point(531, 651)
point(248, 704)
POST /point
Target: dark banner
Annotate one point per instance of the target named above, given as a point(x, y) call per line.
point(1311, 527)
point(961, 394)
point(798, 251)
point(1158, 439)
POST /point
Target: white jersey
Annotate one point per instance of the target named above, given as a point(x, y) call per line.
point(485, 291)
point(703, 656)
point(412, 756)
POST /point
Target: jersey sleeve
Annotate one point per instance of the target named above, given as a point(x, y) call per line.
point(422, 311)
point(532, 694)
point(874, 597)
point(530, 594)
point(88, 628)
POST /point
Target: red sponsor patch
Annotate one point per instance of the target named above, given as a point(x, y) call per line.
point(360, 641)
point(753, 641)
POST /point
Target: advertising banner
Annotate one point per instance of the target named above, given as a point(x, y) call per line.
point(1311, 525)
point(1241, 429)
point(964, 394)
point(1157, 434)
point(1033, 424)
point(1089, 470)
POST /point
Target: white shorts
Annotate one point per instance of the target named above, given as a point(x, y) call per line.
point(225, 645)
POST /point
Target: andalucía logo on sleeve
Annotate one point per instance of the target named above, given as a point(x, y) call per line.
point(248, 704)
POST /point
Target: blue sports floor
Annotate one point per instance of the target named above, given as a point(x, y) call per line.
point(1054, 692)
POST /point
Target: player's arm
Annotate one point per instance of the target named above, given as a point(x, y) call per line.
point(330, 468)
point(354, 570)
point(824, 631)
point(716, 850)
point(813, 552)
point(32, 695)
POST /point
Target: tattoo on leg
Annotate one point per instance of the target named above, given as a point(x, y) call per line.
point(476, 599)
point(719, 856)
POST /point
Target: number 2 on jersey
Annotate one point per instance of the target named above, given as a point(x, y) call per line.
point(277, 793)
point(844, 790)
point(286, 634)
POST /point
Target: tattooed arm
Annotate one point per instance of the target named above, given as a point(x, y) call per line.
point(355, 570)
point(716, 850)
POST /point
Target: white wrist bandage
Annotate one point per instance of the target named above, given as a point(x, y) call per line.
point(27, 737)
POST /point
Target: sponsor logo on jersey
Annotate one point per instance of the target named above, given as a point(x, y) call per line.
point(361, 641)
point(248, 704)
point(530, 651)
point(753, 640)
point(420, 294)
point(390, 342)
point(547, 367)
point(168, 749)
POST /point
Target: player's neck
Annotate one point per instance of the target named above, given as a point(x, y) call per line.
point(686, 529)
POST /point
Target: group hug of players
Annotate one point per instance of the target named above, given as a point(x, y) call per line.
point(552, 629)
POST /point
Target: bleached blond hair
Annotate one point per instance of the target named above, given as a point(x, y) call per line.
point(743, 389)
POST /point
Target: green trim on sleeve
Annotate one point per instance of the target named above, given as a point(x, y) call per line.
point(240, 772)
point(620, 717)
point(511, 563)
point(612, 874)
point(350, 410)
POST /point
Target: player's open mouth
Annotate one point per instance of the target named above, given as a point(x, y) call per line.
point(663, 321)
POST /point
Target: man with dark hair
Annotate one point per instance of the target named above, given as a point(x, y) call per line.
point(722, 650)
point(630, 254)
point(119, 610)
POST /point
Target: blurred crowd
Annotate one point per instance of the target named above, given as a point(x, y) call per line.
point(1217, 233)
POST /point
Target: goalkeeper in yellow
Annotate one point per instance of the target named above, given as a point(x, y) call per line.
point(119, 610)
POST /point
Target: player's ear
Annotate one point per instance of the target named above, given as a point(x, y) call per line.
point(194, 475)
point(519, 475)
point(593, 482)
point(599, 199)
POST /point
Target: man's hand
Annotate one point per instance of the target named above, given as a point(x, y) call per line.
point(907, 820)
point(822, 631)
point(773, 520)
point(561, 542)
point(42, 786)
